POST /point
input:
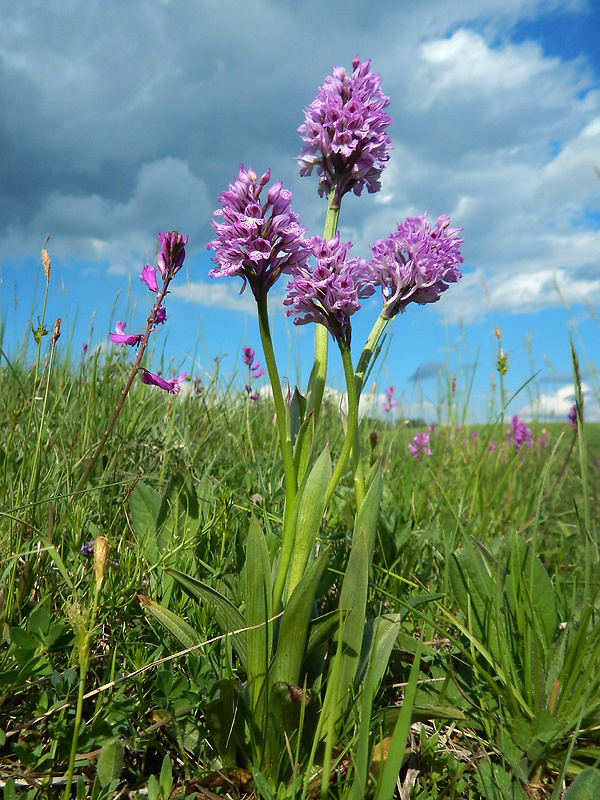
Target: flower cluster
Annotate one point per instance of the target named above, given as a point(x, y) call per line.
point(420, 445)
point(519, 434)
point(257, 240)
point(329, 293)
point(415, 263)
point(254, 371)
point(345, 132)
point(389, 403)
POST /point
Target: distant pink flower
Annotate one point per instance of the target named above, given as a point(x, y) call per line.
point(420, 445)
point(492, 447)
point(572, 417)
point(389, 403)
point(474, 436)
point(172, 385)
point(120, 337)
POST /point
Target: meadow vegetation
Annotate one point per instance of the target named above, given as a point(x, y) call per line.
point(485, 562)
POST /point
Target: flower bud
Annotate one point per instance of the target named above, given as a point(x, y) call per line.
point(101, 549)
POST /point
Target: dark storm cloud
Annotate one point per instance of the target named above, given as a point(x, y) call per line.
point(121, 119)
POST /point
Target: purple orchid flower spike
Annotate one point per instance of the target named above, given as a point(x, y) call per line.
point(345, 132)
point(329, 293)
point(415, 264)
point(258, 238)
point(171, 385)
point(420, 445)
point(120, 337)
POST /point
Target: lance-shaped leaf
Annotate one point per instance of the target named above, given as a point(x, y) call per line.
point(310, 514)
point(293, 632)
point(259, 636)
point(227, 616)
point(181, 630)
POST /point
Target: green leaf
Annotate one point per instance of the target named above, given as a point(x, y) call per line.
point(110, 762)
point(165, 779)
point(395, 756)
point(144, 503)
point(368, 515)
point(304, 445)
point(586, 786)
point(180, 629)
point(293, 631)
point(310, 513)
point(258, 612)
point(226, 614)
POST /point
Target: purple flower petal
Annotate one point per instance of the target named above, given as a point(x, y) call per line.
point(120, 337)
point(171, 385)
point(148, 276)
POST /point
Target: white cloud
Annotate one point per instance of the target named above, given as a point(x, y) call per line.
point(556, 405)
point(221, 294)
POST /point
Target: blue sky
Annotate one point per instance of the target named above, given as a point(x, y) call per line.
point(121, 120)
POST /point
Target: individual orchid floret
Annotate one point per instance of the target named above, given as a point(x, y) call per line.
point(345, 132)
point(120, 337)
point(160, 315)
point(148, 276)
point(172, 252)
point(420, 445)
point(519, 434)
point(329, 293)
point(258, 238)
point(171, 385)
point(389, 403)
point(416, 264)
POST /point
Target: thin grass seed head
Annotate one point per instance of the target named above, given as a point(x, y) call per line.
point(46, 264)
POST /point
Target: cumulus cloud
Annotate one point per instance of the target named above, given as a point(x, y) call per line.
point(556, 405)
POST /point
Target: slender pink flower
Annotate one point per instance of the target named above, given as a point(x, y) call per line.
point(172, 385)
point(120, 337)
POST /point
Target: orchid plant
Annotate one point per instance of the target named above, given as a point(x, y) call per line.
point(297, 695)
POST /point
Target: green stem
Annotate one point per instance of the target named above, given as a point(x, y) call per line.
point(287, 453)
point(351, 426)
point(364, 363)
point(370, 348)
point(84, 660)
point(316, 385)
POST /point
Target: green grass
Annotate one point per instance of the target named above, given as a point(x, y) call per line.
point(472, 735)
